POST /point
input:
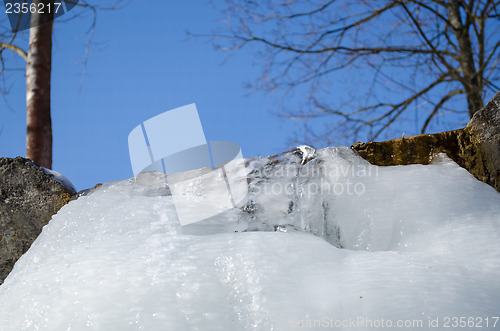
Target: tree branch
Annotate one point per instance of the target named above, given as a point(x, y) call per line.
point(412, 46)
point(320, 9)
point(19, 51)
point(439, 106)
point(367, 50)
point(422, 33)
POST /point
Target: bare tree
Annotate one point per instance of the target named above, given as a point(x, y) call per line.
point(366, 64)
point(38, 69)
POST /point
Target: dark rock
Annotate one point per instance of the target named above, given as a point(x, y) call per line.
point(475, 147)
point(28, 199)
point(482, 154)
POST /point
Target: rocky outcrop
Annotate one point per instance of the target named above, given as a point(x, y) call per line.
point(475, 147)
point(28, 199)
point(482, 153)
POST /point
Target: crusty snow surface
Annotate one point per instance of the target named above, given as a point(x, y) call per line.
point(331, 243)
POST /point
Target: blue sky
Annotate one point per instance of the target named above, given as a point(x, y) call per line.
point(142, 65)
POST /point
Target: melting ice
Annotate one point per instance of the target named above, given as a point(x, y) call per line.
point(323, 240)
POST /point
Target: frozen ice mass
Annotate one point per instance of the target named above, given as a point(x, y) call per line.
point(323, 240)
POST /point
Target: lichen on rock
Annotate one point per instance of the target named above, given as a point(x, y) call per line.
point(28, 199)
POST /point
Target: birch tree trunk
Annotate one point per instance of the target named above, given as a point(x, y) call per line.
point(38, 67)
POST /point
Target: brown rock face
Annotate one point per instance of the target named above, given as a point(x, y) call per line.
point(475, 147)
point(482, 154)
point(28, 199)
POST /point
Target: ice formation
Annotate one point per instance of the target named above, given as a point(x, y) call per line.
point(329, 243)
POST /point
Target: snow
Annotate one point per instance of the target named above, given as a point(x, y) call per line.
point(306, 153)
point(61, 179)
point(332, 243)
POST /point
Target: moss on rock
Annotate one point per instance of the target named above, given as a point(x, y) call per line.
point(475, 147)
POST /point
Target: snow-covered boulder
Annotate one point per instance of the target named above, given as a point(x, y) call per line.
point(28, 198)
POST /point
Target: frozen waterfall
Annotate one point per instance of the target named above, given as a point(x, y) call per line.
point(322, 240)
